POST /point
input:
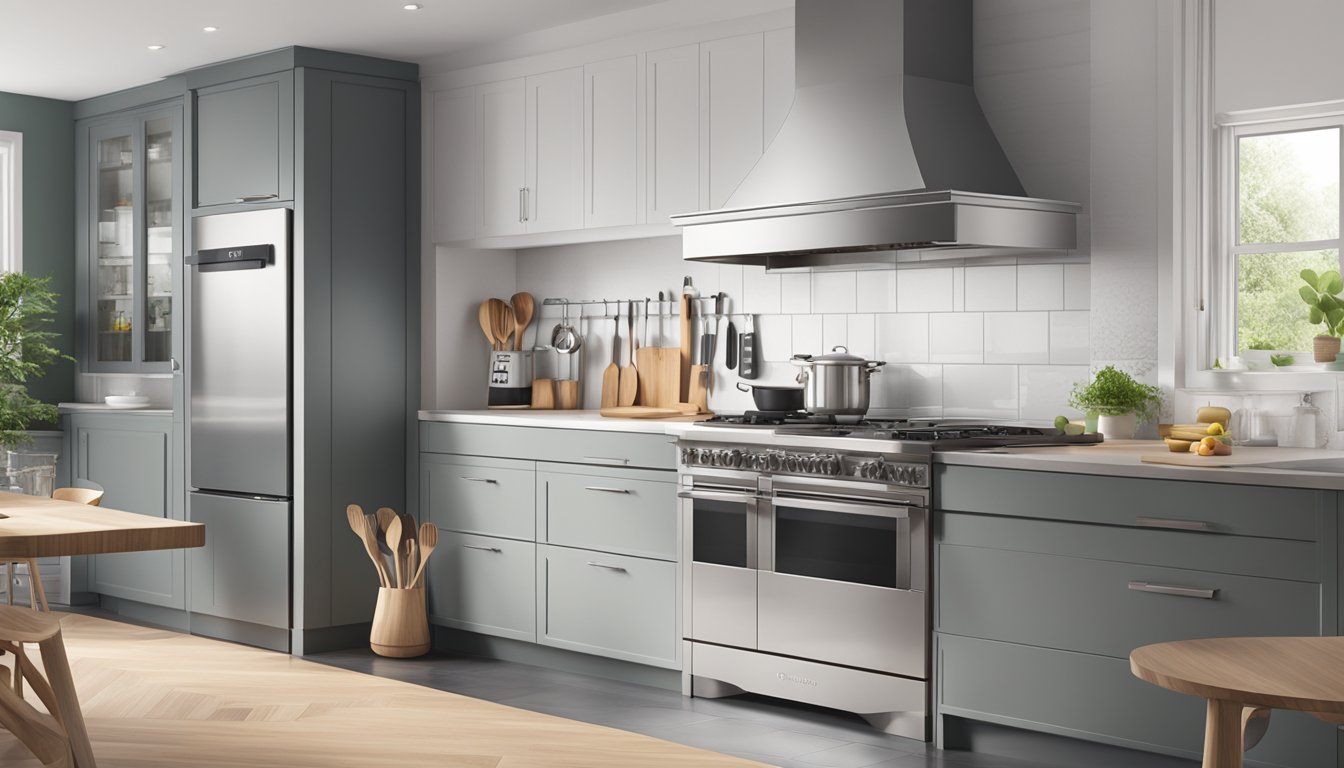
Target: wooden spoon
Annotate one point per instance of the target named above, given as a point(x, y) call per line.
point(385, 517)
point(429, 539)
point(394, 544)
point(366, 528)
point(524, 307)
point(501, 322)
point(487, 324)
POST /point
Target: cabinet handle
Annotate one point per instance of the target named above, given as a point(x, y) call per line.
point(527, 204)
point(605, 460)
point(174, 365)
point(608, 567)
point(604, 489)
point(520, 204)
point(257, 198)
point(1180, 525)
point(1171, 589)
point(483, 549)
point(489, 480)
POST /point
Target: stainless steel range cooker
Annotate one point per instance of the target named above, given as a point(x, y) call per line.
point(806, 559)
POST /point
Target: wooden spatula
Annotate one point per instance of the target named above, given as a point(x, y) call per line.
point(429, 539)
point(629, 374)
point(523, 309)
point(611, 375)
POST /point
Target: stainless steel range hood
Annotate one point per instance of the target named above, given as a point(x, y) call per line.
point(885, 149)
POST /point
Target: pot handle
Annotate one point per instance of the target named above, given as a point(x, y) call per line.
point(801, 378)
point(801, 359)
point(873, 365)
point(743, 387)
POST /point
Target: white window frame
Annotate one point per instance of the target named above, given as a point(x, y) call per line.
point(11, 201)
point(1228, 227)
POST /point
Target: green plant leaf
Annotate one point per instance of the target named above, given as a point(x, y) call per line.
point(1309, 276)
point(1315, 315)
point(1113, 392)
point(1333, 283)
point(1335, 317)
point(1308, 295)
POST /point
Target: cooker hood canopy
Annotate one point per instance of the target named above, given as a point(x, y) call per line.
point(885, 149)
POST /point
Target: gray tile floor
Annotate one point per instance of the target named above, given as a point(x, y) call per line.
point(766, 730)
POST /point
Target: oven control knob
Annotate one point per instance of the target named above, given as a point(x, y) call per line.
point(830, 465)
point(791, 462)
point(685, 454)
point(735, 459)
point(774, 462)
point(812, 464)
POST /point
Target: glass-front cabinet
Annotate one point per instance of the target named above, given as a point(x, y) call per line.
point(135, 242)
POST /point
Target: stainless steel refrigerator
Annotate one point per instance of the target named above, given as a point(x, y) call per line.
point(239, 362)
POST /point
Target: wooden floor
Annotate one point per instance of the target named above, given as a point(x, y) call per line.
point(158, 698)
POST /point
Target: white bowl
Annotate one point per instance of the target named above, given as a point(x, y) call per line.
point(126, 401)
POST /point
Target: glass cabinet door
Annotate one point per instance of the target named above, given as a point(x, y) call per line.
point(114, 269)
point(137, 196)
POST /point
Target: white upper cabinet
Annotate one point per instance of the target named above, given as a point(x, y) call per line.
point(611, 144)
point(672, 142)
point(553, 194)
point(503, 167)
point(522, 157)
point(456, 178)
point(732, 98)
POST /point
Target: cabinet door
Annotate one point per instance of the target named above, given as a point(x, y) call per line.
point(242, 530)
point(732, 97)
point(456, 141)
point(245, 141)
point(553, 199)
point(157, 280)
point(483, 584)
point(503, 171)
point(672, 143)
point(131, 463)
point(112, 268)
point(610, 143)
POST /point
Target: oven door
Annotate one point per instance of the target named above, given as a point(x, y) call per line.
point(843, 581)
point(719, 556)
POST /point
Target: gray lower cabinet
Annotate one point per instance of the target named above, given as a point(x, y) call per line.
point(129, 456)
point(242, 572)
point(245, 141)
point(562, 537)
point(597, 602)
point(1042, 592)
point(484, 584)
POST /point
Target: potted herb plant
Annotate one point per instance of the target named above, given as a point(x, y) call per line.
point(27, 307)
point(1324, 307)
point(1120, 402)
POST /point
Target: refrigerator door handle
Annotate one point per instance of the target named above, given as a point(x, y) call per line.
point(232, 258)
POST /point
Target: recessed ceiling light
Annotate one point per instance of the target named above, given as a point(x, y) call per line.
point(411, 7)
point(210, 29)
point(155, 47)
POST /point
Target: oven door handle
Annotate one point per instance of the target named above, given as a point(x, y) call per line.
point(867, 510)
point(718, 496)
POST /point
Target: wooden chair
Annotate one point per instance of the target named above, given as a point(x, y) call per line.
point(36, 593)
point(58, 739)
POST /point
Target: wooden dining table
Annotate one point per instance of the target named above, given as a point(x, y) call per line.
point(34, 526)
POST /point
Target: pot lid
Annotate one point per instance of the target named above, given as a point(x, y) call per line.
point(839, 355)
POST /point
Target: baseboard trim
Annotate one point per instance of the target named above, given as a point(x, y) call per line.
point(323, 639)
point(521, 652)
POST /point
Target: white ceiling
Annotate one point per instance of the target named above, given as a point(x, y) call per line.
point(74, 49)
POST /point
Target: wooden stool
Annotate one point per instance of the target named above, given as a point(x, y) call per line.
point(37, 594)
point(1240, 676)
point(57, 739)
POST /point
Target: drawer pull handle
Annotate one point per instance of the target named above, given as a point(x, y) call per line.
point(608, 567)
point(604, 489)
point(489, 480)
point(1171, 589)
point(605, 460)
point(483, 549)
point(257, 198)
point(1180, 525)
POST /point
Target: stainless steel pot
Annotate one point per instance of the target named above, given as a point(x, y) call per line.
point(836, 384)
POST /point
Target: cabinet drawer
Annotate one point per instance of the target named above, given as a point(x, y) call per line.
point(1244, 555)
point(484, 584)
point(1248, 510)
point(571, 446)
point(1088, 605)
point(487, 496)
point(596, 602)
point(1096, 698)
point(630, 512)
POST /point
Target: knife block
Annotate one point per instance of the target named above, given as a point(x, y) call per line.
point(400, 625)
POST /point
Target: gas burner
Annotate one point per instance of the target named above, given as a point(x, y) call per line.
point(782, 419)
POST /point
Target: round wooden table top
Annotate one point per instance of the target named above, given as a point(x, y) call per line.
point(1302, 673)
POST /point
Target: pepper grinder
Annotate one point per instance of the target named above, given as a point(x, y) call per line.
point(1305, 418)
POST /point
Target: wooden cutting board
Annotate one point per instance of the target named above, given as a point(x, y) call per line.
point(659, 376)
point(1192, 460)
point(683, 413)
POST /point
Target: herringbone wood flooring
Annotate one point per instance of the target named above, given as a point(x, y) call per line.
point(158, 698)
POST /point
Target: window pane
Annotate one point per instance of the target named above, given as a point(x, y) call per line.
point(1288, 186)
point(1270, 313)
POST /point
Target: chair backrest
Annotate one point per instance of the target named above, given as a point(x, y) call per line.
point(79, 495)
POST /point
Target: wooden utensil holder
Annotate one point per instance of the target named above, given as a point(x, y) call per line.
point(400, 626)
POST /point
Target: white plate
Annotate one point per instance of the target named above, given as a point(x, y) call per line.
point(126, 401)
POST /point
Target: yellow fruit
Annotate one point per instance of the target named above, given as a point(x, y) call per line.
point(1178, 446)
point(1216, 429)
point(1194, 447)
point(1205, 450)
point(1208, 442)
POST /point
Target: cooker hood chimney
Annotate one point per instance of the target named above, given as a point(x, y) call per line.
point(885, 149)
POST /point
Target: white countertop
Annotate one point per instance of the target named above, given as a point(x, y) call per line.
point(522, 417)
point(104, 408)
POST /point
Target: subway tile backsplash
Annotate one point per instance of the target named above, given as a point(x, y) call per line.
point(1000, 340)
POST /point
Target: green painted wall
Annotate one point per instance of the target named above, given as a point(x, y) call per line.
point(48, 128)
